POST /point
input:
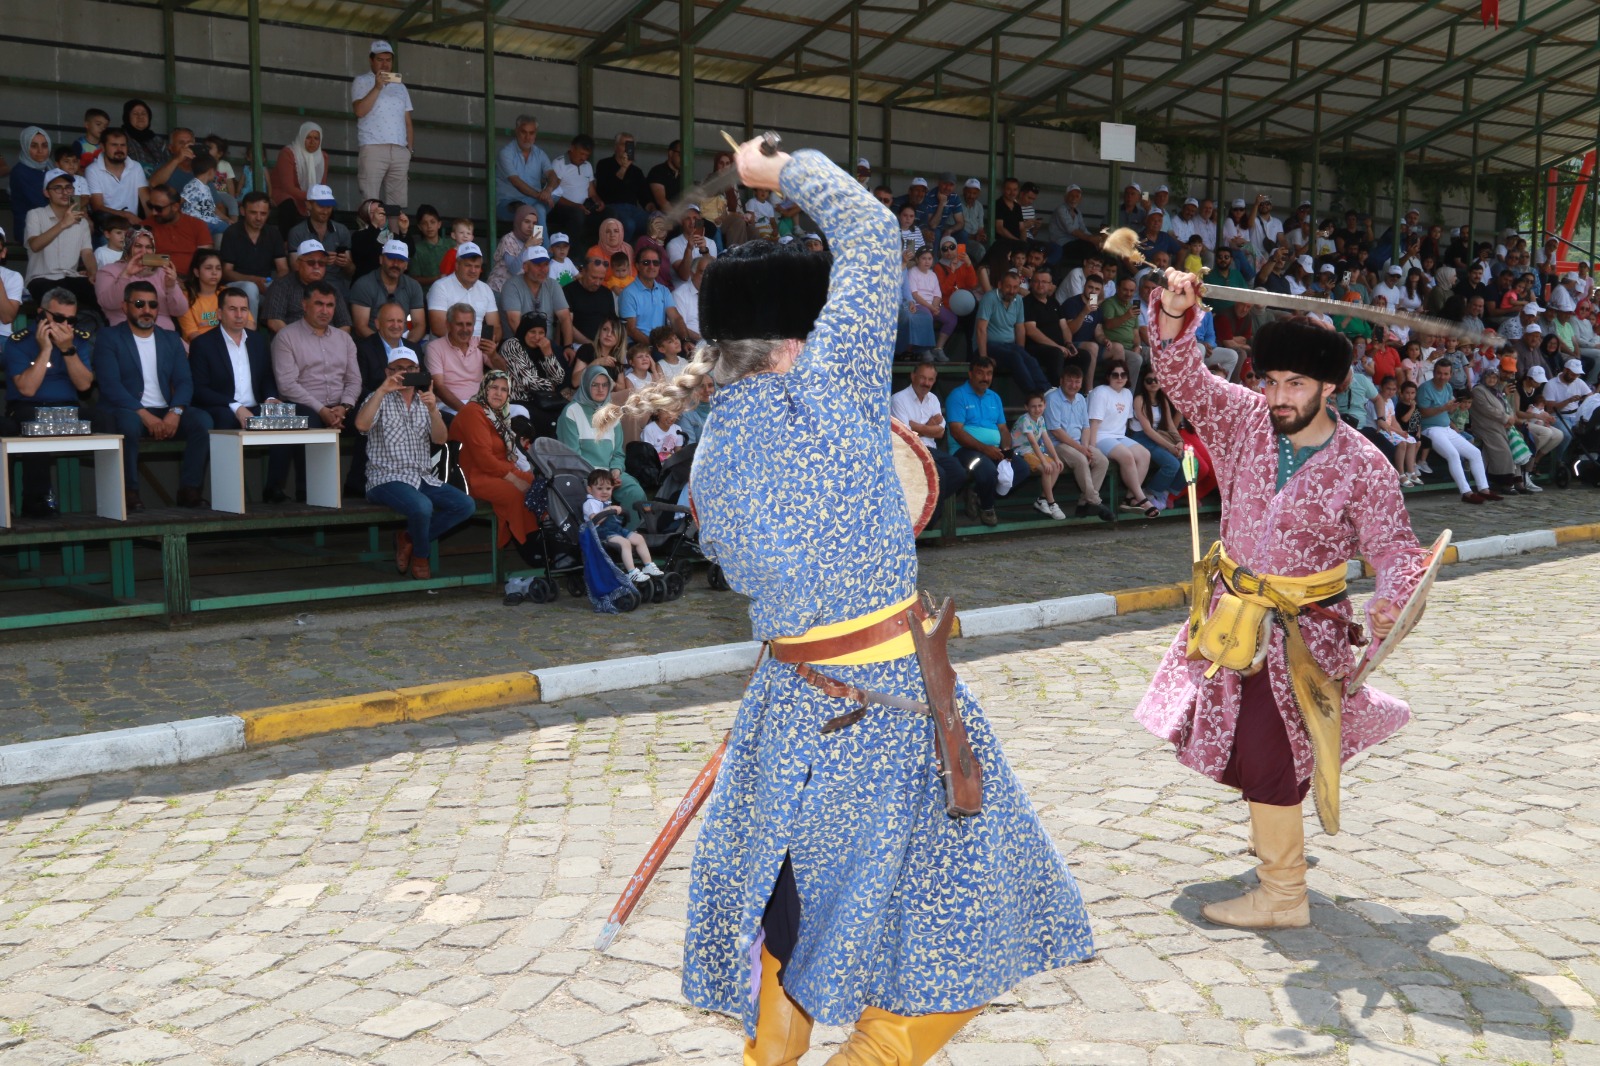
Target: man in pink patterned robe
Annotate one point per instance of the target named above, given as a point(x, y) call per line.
point(1302, 493)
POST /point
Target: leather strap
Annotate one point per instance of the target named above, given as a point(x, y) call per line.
point(839, 690)
point(814, 651)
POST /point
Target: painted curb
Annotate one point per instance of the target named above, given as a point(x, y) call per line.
point(164, 744)
point(174, 743)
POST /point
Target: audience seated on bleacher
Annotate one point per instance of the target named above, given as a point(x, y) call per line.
point(497, 472)
point(539, 372)
point(177, 235)
point(1066, 418)
point(602, 450)
point(523, 233)
point(980, 439)
point(197, 198)
point(1155, 427)
point(147, 390)
point(319, 225)
point(27, 177)
point(648, 302)
point(530, 291)
point(46, 366)
point(60, 248)
point(146, 147)
point(285, 302)
point(203, 288)
point(389, 283)
point(12, 290)
point(458, 359)
point(1036, 447)
point(117, 184)
point(314, 362)
point(1000, 333)
point(402, 425)
point(464, 285)
point(1110, 412)
point(919, 409)
point(139, 263)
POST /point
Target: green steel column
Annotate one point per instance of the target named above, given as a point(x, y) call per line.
point(1314, 186)
point(169, 62)
point(258, 158)
point(994, 127)
point(1222, 164)
point(855, 87)
point(887, 162)
point(1472, 194)
point(749, 111)
point(686, 87)
point(1399, 186)
point(488, 122)
point(1114, 178)
point(586, 96)
point(1008, 137)
point(1538, 219)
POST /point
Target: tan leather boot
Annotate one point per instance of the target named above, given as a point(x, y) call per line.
point(1280, 901)
point(783, 1030)
point(884, 1039)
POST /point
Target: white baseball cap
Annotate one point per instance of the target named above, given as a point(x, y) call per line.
point(1153, 212)
point(1532, 308)
point(380, 47)
point(402, 352)
point(923, 182)
point(862, 164)
point(321, 195)
point(1538, 374)
point(1327, 268)
point(538, 253)
point(1561, 300)
point(1073, 188)
point(396, 250)
point(1573, 366)
point(1394, 268)
point(468, 250)
point(1305, 262)
point(1236, 203)
point(559, 238)
point(54, 173)
point(309, 246)
point(1132, 185)
point(974, 183)
point(1191, 202)
point(1571, 275)
point(1533, 327)
point(1161, 188)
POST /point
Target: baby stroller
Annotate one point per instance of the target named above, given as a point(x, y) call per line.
point(566, 473)
point(670, 523)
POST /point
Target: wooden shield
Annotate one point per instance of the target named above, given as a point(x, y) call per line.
point(1407, 620)
point(919, 478)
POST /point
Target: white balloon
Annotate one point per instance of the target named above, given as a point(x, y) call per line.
point(962, 302)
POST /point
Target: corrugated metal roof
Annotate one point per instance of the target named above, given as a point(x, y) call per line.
point(1363, 61)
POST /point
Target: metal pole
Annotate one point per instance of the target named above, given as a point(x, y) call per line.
point(258, 158)
point(488, 122)
point(686, 88)
point(1315, 185)
point(1008, 137)
point(888, 140)
point(855, 86)
point(994, 126)
point(169, 62)
point(585, 95)
point(1399, 187)
point(1537, 220)
point(1472, 194)
point(1222, 165)
point(749, 111)
point(1114, 177)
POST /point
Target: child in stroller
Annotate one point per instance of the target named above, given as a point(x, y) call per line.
point(611, 530)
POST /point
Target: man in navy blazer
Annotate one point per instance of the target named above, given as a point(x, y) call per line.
point(232, 367)
point(146, 391)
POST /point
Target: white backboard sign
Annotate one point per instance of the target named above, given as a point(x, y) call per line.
point(1117, 142)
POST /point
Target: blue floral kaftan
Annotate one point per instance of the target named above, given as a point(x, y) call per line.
point(902, 907)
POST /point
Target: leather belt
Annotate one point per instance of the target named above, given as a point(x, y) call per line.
point(863, 696)
point(821, 650)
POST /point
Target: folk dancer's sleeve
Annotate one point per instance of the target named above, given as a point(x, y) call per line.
point(1217, 409)
point(853, 342)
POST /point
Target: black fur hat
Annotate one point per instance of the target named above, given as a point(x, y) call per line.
point(1301, 347)
point(763, 291)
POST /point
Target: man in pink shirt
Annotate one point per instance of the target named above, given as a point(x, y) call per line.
point(315, 364)
point(457, 361)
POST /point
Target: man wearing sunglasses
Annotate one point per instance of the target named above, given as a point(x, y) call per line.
point(590, 301)
point(145, 391)
point(648, 303)
point(47, 366)
point(178, 235)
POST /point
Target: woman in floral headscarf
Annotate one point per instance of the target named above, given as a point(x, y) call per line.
point(492, 461)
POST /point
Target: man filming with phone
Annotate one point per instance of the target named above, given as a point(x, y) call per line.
point(402, 424)
point(383, 129)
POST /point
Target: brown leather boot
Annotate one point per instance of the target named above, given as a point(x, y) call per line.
point(884, 1039)
point(420, 568)
point(1280, 901)
point(402, 551)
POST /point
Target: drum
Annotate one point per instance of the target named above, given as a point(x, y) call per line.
point(919, 478)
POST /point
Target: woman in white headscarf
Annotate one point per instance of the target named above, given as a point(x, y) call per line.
point(301, 164)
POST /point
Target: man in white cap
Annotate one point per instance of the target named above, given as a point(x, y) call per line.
point(533, 293)
point(389, 284)
point(59, 245)
point(1161, 198)
point(864, 172)
point(319, 226)
point(284, 303)
point(915, 197)
point(383, 129)
point(1071, 238)
point(944, 208)
point(974, 229)
point(1183, 225)
point(1390, 287)
point(464, 286)
point(1131, 213)
point(1564, 392)
point(403, 426)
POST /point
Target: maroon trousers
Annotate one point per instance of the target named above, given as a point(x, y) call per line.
point(1262, 763)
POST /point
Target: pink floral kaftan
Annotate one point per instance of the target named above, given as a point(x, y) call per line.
point(1344, 502)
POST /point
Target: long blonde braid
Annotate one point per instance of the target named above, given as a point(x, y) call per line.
point(675, 396)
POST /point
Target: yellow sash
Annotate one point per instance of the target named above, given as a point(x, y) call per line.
point(1237, 633)
point(893, 648)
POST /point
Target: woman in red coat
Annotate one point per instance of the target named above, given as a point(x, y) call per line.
point(496, 470)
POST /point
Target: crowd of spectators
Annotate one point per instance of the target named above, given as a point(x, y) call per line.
point(592, 290)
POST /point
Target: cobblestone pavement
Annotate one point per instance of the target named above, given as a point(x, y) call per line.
point(429, 894)
point(69, 682)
